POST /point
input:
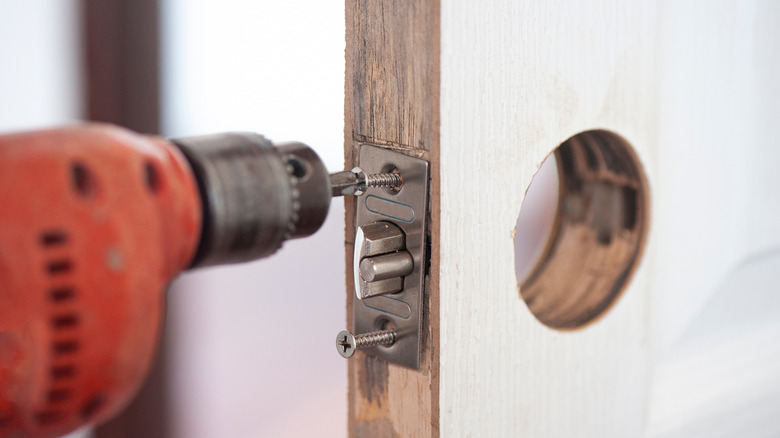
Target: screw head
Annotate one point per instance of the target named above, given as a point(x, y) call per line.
point(345, 344)
point(362, 177)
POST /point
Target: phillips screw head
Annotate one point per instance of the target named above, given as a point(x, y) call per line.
point(347, 343)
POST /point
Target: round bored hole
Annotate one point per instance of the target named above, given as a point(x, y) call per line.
point(581, 229)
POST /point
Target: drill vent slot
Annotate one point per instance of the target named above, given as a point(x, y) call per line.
point(54, 238)
point(60, 389)
point(48, 417)
point(63, 372)
point(65, 347)
point(60, 395)
point(69, 320)
point(62, 294)
point(57, 267)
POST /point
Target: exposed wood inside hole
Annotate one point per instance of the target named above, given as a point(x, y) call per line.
point(596, 236)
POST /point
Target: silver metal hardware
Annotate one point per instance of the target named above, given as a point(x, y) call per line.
point(380, 260)
point(356, 181)
point(390, 180)
point(390, 257)
point(347, 343)
point(382, 267)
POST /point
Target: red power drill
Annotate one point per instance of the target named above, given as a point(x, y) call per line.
point(95, 222)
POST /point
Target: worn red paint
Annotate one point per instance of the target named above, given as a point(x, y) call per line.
point(88, 244)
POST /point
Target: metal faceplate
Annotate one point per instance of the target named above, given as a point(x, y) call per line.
point(406, 209)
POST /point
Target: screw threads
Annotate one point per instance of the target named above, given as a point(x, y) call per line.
point(356, 181)
point(389, 180)
point(367, 340)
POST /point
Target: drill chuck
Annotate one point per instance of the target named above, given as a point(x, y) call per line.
point(255, 195)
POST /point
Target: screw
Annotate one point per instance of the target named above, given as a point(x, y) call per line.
point(347, 343)
point(355, 181)
point(389, 180)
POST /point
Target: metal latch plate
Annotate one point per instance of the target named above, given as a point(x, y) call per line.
point(406, 209)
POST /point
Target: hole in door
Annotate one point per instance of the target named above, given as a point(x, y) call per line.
point(581, 229)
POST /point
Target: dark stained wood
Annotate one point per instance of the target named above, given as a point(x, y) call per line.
point(395, 73)
point(121, 50)
point(147, 416)
point(392, 101)
point(122, 69)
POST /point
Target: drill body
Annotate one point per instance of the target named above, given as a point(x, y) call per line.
point(95, 222)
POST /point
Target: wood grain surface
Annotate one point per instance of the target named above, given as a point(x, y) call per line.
point(392, 101)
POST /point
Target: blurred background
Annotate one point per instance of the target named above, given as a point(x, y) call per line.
point(248, 350)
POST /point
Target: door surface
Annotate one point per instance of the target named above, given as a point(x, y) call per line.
point(651, 311)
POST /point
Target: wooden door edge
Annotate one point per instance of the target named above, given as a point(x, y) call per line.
point(392, 101)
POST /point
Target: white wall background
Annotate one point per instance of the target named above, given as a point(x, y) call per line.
point(714, 232)
point(39, 63)
point(253, 346)
point(715, 201)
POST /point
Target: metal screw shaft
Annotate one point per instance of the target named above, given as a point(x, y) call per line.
point(355, 181)
point(367, 340)
point(347, 343)
point(389, 180)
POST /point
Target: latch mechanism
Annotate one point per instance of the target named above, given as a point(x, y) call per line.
point(381, 260)
point(389, 259)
